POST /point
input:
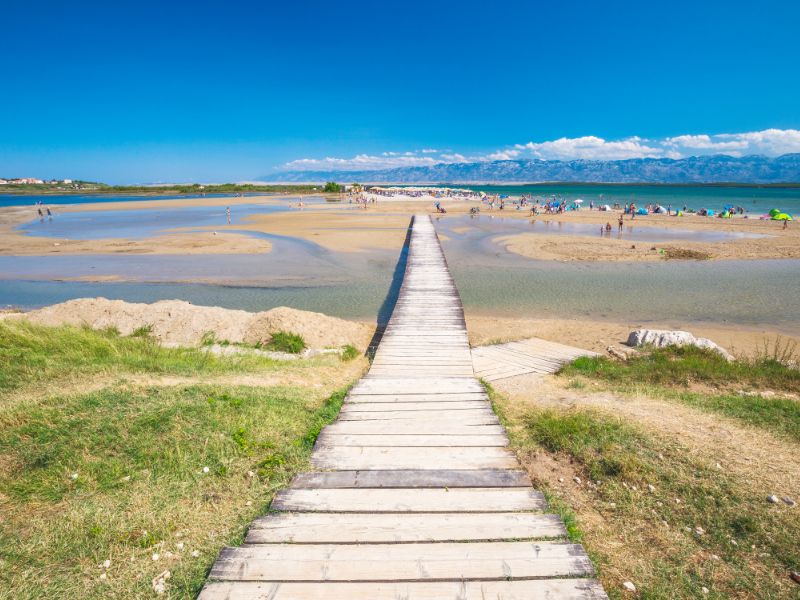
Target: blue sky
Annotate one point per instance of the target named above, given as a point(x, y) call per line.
point(229, 91)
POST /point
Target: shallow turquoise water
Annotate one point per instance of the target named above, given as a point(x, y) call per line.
point(756, 200)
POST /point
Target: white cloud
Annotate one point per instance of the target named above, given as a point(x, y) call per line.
point(592, 148)
point(771, 142)
point(387, 160)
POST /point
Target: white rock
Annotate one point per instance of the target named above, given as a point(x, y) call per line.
point(561, 479)
point(74, 476)
point(772, 499)
point(577, 480)
point(651, 487)
point(704, 589)
point(106, 563)
point(248, 503)
point(155, 556)
point(195, 553)
point(628, 585)
point(103, 576)
point(661, 338)
point(179, 545)
point(205, 469)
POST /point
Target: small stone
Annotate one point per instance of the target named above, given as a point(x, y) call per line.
point(704, 589)
point(734, 542)
point(155, 556)
point(103, 576)
point(106, 563)
point(195, 553)
point(126, 478)
point(677, 500)
point(577, 480)
point(772, 499)
point(634, 488)
point(628, 585)
point(206, 469)
point(179, 545)
point(660, 456)
point(248, 503)
point(612, 504)
point(651, 487)
point(74, 476)
point(698, 531)
point(561, 479)
point(250, 474)
point(795, 576)
point(788, 501)
point(715, 557)
point(719, 466)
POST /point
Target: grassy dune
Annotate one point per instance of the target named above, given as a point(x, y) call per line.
point(649, 508)
point(151, 478)
point(705, 380)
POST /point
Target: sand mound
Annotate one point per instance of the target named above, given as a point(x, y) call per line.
point(182, 323)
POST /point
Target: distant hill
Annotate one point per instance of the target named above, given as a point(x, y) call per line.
point(696, 169)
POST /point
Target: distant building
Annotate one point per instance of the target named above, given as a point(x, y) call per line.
point(3, 182)
point(67, 181)
point(27, 180)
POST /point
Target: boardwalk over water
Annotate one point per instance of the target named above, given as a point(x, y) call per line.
point(415, 493)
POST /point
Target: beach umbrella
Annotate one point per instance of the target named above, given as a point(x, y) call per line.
point(782, 217)
point(774, 211)
point(578, 201)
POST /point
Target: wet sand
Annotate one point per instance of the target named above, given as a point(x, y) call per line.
point(344, 227)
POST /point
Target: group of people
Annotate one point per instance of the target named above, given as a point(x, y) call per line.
point(41, 205)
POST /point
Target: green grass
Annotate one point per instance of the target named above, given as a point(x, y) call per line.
point(31, 354)
point(684, 366)
point(350, 352)
point(284, 341)
point(138, 458)
point(120, 471)
point(626, 460)
point(670, 373)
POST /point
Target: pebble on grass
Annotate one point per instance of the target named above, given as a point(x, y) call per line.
point(628, 585)
point(106, 563)
point(155, 556)
point(205, 469)
point(195, 553)
point(773, 499)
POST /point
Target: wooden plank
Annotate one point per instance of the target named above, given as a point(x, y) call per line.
point(330, 528)
point(401, 562)
point(429, 478)
point(457, 397)
point(439, 427)
point(478, 415)
point(382, 500)
point(561, 589)
point(350, 458)
point(410, 440)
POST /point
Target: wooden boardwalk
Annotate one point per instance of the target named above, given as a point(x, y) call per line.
point(533, 355)
point(415, 495)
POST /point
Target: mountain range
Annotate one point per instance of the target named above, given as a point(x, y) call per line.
point(695, 169)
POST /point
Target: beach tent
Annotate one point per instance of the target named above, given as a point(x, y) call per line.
point(775, 211)
point(661, 210)
point(605, 207)
point(641, 211)
point(782, 217)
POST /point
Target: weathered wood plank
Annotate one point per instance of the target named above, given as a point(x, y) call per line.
point(409, 500)
point(401, 562)
point(399, 478)
point(561, 589)
point(333, 439)
point(392, 457)
point(324, 528)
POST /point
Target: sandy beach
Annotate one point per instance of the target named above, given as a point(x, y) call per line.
point(344, 227)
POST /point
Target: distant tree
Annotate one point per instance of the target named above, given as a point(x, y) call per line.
point(332, 187)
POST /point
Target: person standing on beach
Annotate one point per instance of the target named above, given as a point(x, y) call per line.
point(228, 214)
point(619, 222)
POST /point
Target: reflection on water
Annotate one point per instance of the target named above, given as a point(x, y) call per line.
point(138, 224)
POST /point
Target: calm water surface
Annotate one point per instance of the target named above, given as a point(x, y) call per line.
point(305, 275)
